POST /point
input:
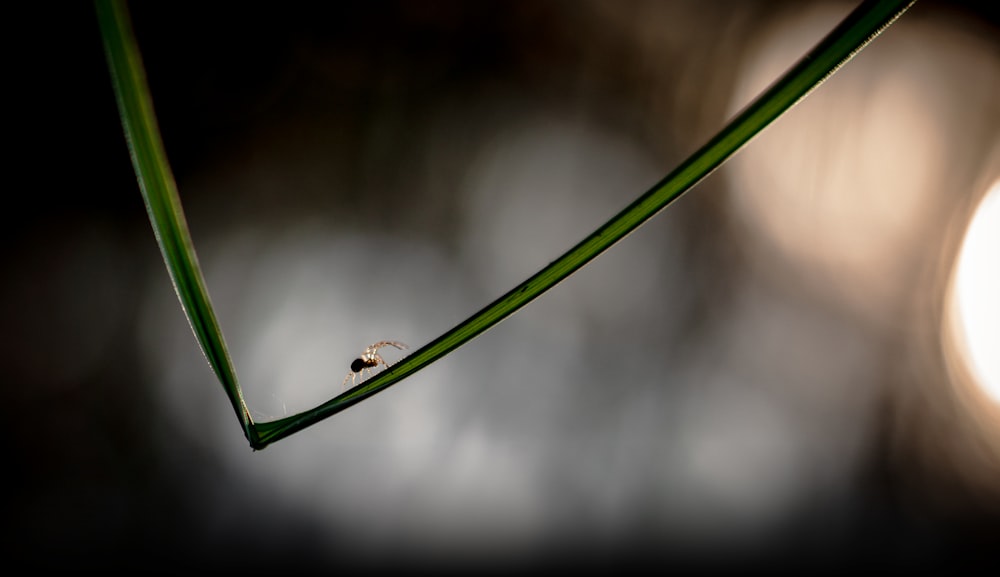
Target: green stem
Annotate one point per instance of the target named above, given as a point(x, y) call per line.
point(859, 28)
point(156, 181)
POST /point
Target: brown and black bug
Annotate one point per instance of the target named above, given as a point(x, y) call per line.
point(369, 360)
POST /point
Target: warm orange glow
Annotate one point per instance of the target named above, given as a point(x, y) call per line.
point(844, 187)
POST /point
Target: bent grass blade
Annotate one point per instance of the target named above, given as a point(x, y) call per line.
point(163, 204)
point(855, 32)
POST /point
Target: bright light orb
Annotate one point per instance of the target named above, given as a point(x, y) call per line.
point(975, 296)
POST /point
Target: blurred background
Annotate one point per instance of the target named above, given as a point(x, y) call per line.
point(794, 364)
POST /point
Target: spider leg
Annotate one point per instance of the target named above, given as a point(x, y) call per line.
point(374, 348)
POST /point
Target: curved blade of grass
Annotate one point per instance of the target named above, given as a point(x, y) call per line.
point(165, 213)
point(162, 202)
point(847, 39)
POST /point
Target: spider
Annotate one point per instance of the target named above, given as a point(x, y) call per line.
point(369, 360)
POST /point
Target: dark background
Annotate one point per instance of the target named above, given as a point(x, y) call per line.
point(103, 472)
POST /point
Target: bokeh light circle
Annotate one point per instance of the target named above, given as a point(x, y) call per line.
point(973, 314)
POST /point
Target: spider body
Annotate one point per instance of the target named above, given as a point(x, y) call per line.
point(369, 360)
